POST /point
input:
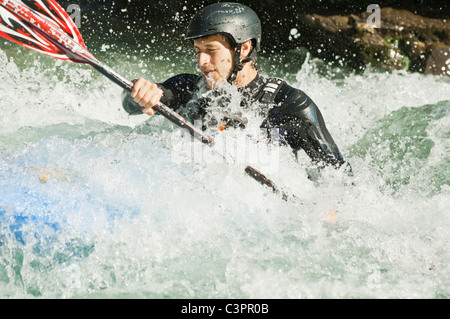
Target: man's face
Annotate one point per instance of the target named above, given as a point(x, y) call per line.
point(215, 57)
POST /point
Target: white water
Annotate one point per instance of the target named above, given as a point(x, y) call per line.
point(106, 208)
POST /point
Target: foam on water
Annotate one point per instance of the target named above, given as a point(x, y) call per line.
point(94, 203)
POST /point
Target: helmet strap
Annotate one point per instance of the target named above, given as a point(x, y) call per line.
point(238, 64)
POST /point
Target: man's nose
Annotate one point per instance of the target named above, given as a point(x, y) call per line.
point(203, 59)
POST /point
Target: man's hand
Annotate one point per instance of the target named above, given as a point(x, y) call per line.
point(146, 94)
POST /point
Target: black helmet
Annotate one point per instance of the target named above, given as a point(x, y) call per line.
point(235, 20)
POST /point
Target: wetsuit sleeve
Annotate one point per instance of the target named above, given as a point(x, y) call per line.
point(176, 92)
point(302, 126)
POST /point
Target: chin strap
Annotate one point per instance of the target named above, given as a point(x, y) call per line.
point(238, 64)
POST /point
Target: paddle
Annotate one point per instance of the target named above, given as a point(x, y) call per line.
point(48, 29)
point(45, 27)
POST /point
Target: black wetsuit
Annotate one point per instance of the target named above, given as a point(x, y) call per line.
point(288, 111)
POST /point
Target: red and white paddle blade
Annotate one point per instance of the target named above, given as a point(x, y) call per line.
point(15, 29)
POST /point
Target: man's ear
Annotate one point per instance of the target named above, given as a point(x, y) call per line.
point(246, 49)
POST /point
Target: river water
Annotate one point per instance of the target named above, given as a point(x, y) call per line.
point(97, 204)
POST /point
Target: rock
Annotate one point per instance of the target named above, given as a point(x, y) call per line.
point(330, 38)
point(403, 40)
point(438, 61)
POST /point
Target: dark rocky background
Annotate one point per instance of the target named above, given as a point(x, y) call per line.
point(413, 34)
